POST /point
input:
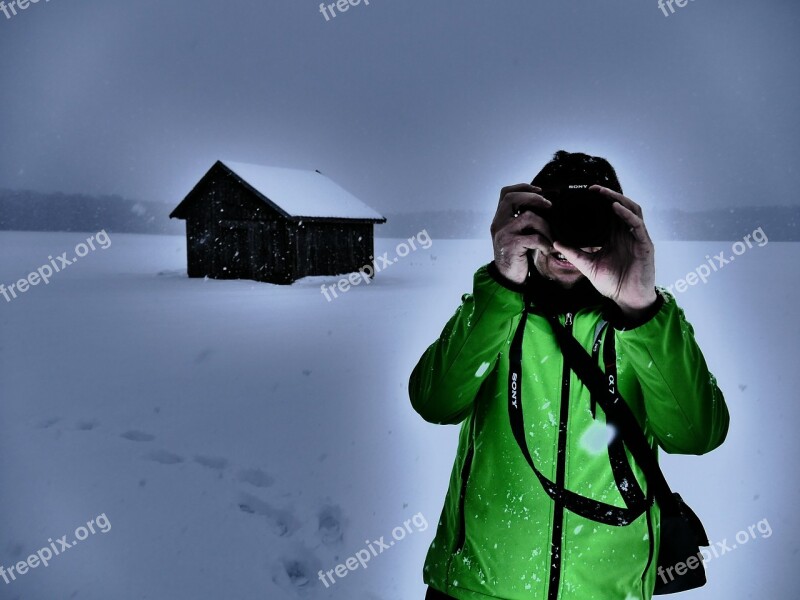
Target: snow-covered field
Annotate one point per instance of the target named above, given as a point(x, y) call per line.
point(239, 437)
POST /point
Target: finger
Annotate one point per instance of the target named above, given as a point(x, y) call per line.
point(519, 187)
point(503, 210)
point(624, 200)
point(535, 241)
point(526, 200)
point(527, 235)
point(527, 222)
point(637, 228)
point(512, 204)
point(528, 239)
point(581, 260)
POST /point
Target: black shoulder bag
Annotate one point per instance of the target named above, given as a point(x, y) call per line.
point(680, 564)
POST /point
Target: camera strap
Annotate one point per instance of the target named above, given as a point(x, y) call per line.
point(627, 484)
point(589, 508)
point(618, 413)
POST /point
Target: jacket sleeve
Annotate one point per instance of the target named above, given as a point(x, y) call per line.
point(446, 380)
point(685, 408)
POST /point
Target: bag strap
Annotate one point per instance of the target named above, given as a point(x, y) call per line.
point(618, 413)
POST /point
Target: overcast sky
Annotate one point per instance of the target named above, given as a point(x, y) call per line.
point(409, 105)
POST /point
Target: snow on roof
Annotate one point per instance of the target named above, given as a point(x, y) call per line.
point(302, 193)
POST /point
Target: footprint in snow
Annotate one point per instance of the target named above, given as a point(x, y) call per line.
point(281, 522)
point(47, 423)
point(256, 477)
point(164, 457)
point(138, 436)
point(330, 524)
point(215, 463)
point(86, 425)
point(297, 573)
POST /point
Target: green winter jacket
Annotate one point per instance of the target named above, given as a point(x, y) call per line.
point(500, 535)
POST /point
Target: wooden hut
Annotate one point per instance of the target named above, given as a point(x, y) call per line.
point(273, 224)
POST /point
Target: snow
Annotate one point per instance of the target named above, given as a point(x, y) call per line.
point(597, 437)
point(240, 436)
point(302, 193)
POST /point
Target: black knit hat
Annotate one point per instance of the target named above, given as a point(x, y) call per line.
point(567, 168)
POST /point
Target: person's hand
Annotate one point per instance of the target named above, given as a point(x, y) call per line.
point(515, 230)
point(636, 292)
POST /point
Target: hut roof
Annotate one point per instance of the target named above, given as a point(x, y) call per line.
point(297, 193)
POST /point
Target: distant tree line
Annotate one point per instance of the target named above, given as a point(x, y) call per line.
point(36, 211)
point(26, 210)
point(780, 223)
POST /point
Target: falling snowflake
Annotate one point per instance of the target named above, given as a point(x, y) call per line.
point(482, 369)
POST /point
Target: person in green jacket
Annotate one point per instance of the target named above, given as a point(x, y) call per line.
point(503, 533)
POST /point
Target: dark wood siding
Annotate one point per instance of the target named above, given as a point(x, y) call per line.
point(333, 247)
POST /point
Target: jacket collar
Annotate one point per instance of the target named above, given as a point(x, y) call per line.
point(548, 296)
point(541, 294)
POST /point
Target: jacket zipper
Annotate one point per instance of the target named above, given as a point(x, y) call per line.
point(561, 463)
point(465, 471)
point(650, 540)
point(462, 525)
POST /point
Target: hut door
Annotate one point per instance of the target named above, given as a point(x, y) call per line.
point(236, 259)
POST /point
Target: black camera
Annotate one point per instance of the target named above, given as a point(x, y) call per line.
point(579, 217)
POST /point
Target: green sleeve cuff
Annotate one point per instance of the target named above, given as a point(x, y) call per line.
point(621, 322)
